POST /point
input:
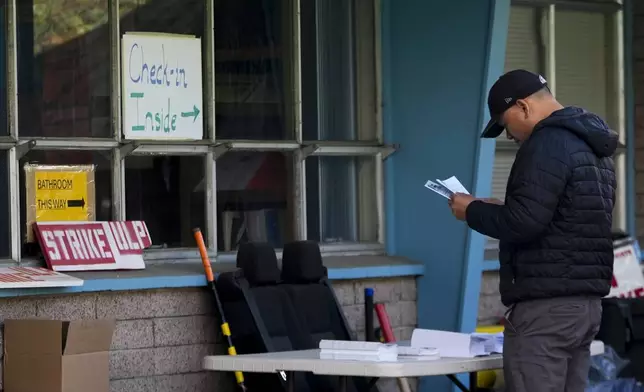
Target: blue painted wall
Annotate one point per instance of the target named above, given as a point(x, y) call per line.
point(439, 58)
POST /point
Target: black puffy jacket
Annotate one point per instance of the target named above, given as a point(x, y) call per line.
point(555, 226)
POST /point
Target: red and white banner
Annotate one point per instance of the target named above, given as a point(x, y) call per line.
point(628, 281)
point(91, 246)
point(33, 277)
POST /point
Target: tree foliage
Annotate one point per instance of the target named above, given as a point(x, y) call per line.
point(58, 21)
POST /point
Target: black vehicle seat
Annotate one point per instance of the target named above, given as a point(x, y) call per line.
point(305, 279)
point(260, 313)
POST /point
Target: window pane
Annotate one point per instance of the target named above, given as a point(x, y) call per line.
point(340, 196)
point(253, 199)
point(162, 99)
point(102, 208)
point(3, 70)
point(338, 70)
point(64, 72)
point(252, 69)
point(163, 16)
point(5, 242)
point(167, 192)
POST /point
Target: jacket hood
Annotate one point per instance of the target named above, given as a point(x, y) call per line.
point(587, 126)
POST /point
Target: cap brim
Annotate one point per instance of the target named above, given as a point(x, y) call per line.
point(492, 130)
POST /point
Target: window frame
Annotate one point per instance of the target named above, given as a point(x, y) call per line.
point(210, 147)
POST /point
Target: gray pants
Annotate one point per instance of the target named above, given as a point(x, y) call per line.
point(547, 344)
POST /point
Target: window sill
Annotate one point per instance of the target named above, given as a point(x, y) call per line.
point(159, 276)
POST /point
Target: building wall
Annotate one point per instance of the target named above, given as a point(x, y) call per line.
point(434, 108)
point(490, 310)
point(162, 335)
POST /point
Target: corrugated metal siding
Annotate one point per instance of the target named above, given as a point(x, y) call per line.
point(580, 67)
point(522, 51)
point(522, 47)
point(580, 39)
point(581, 60)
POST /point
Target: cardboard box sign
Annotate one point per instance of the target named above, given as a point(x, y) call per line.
point(57, 356)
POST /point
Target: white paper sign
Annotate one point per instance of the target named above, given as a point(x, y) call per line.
point(628, 281)
point(162, 89)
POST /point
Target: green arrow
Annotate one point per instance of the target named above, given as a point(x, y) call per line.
point(195, 112)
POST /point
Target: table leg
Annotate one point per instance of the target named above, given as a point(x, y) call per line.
point(474, 382)
point(343, 383)
point(290, 381)
point(456, 382)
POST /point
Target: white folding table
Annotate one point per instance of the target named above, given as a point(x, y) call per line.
point(309, 361)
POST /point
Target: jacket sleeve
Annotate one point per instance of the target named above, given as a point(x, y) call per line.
point(538, 182)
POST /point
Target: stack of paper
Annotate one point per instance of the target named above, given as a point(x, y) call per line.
point(446, 188)
point(486, 343)
point(458, 345)
point(419, 353)
point(358, 351)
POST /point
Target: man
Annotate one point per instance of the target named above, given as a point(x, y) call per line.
point(556, 251)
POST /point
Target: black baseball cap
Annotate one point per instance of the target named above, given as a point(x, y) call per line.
point(510, 87)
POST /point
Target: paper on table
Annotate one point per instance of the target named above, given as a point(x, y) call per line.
point(454, 185)
point(458, 345)
point(449, 344)
point(487, 343)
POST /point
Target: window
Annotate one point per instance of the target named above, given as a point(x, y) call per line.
point(573, 49)
point(341, 207)
point(291, 147)
point(3, 70)
point(253, 199)
point(253, 71)
point(167, 192)
point(338, 72)
point(163, 188)
point(63, 83)
point(5, 241)
point(340, 104)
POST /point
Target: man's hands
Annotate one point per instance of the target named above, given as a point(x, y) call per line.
point(459, 202)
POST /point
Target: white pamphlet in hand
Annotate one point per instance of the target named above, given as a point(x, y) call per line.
point(446, 188)
point(454, 185)
point(438, 188)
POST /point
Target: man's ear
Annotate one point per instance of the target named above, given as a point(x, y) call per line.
point(525, 108)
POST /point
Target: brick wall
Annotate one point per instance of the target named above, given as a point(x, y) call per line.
point(638, 80)
point(162, 335)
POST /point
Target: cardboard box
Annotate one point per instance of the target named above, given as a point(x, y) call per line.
point(57, 356)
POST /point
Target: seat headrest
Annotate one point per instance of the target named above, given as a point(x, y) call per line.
point(259, 263)
point(302, 262)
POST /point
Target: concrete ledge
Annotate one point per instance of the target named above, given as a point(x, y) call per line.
point(190, 274)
